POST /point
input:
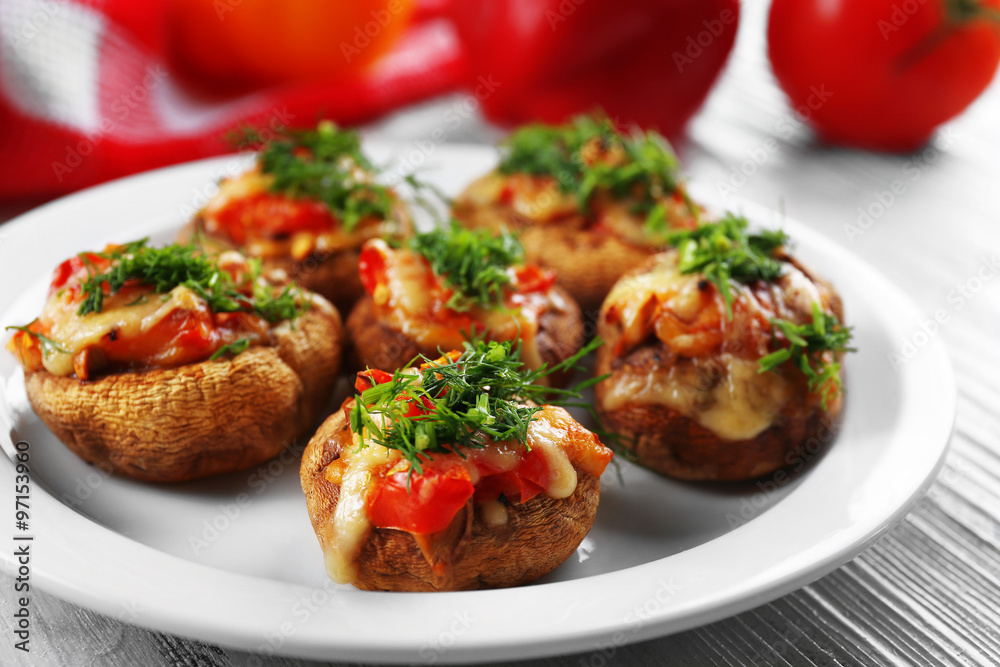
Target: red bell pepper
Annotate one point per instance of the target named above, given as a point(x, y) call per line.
point(650, 62)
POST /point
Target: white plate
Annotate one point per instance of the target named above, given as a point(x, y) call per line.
point(234, 560)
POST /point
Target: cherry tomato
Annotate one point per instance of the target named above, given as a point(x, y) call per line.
point(428, 505)
point(882, 74)
point(244, 43)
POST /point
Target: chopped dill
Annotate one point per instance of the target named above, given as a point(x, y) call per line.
point(472, 263)
point(461, 403)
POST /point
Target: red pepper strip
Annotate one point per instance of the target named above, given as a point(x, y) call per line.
point(434, 497)
point(370, 378)
point(271, 215)
point(372, 266)
point(532, 278)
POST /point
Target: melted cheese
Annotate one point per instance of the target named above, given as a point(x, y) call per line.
point(723, 390)
point(536, 198)
point(728, 397)
point(75, 332)
point(346, 532)
point(545, 435)
point(494, 513)
point(637, 297)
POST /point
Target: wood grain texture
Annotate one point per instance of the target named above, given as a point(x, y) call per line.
point(928, 592)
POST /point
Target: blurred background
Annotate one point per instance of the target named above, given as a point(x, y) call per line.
point(96, 89)
point(873, 121)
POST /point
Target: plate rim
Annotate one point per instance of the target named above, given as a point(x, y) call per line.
point(531, 644)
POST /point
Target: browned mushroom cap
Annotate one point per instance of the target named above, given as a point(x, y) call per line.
point(377, 344)
point(201, 419)
point(676, 445)
point(471, 553)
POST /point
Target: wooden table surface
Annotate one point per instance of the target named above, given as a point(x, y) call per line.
point(928, 592)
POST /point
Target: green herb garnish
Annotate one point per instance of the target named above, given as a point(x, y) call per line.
point(183, 265)
point(326, 165)
point(236, 347)
point(809, 342)
point(641, 167)
point(48, 345)
point(472, 263)
point(723, 251)
point(485, 394)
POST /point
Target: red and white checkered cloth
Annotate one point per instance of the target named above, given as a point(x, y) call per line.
point(87, 93)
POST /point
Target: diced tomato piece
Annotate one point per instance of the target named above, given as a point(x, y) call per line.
point(529, 489)
point(75, 269)
point(533, 471)
point(181, 337)
point(63, 273)
point(370, 378)
point(506, 195)
point(510, 485)
point(492, 487)
point(531, 278)
point(433, 499)
point(449, 358)
point(271, 215)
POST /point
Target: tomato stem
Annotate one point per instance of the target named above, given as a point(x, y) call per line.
point(957, 14)
point(963, 11)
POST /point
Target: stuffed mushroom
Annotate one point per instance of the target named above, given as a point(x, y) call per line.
point(588, 202)
point(448, 284)
point(722, 356)
point(166, 365)
point(305, 209)
point(448, 477)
